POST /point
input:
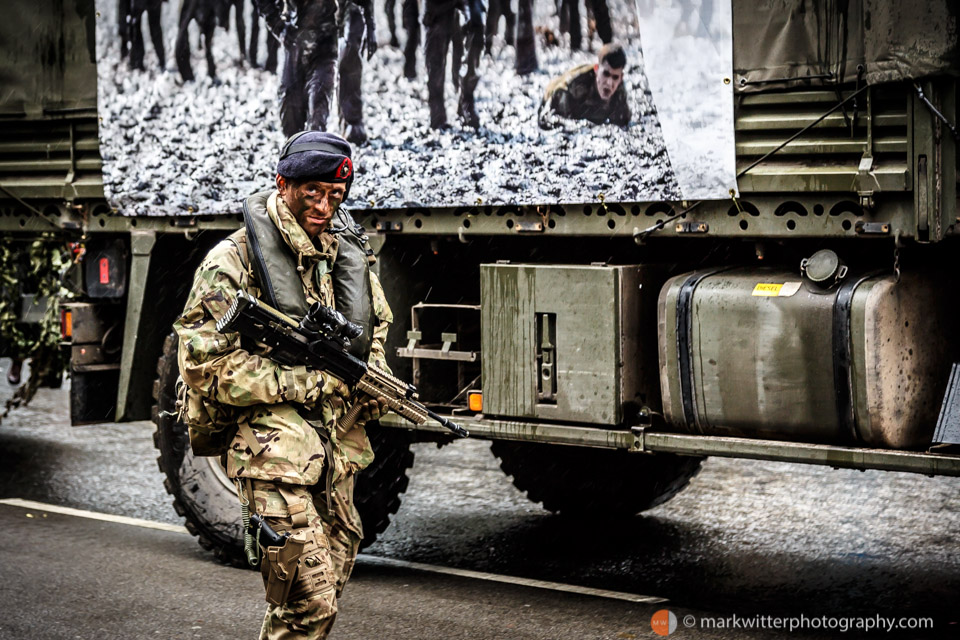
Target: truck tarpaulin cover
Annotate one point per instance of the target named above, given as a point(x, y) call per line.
point(796, 43)
point(48, 58)
point(174, 146)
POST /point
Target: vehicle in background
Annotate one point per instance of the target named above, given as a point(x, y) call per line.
point(604, 347)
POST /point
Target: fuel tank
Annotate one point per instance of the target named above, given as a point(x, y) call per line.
point(856, 358)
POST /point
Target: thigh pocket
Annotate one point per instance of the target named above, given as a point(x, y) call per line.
point(299, 569)
point(315, 569)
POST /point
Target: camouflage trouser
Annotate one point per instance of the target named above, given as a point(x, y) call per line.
point(311, 616)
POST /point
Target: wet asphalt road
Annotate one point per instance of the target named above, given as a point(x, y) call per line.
point(746, 537)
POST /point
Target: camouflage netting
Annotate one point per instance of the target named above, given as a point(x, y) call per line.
point(33, 267)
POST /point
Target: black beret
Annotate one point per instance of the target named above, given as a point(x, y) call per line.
point(316, 155)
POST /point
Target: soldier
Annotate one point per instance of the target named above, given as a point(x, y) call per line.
point(205, 13)
point(410, 16)
point(354, 23)
point(601, 19)
point(526, 39)
point(223, 19)
point(570, 20)
point(390, 8)
point(440, 21)
point(498, 8)
point(287, 459)
point(272, 44)
point(306, 84)
point(130, 13)
point(593, 92)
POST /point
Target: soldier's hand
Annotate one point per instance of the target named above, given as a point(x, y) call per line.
point(373, 409)
point(332, 385)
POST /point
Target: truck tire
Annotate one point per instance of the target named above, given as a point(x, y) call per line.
point(379, 486)
point(596, 483)
point(202, 494)
point(206, 498)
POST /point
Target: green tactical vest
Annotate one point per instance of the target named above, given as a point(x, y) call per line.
point(275, 268)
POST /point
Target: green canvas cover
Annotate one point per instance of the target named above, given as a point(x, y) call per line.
point(794, 43)
point(48, 58)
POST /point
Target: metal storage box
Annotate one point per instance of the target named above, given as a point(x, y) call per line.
point(564, 342)
point(764, 353)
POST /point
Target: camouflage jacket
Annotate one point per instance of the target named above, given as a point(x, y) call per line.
point(264, 394)
point(574, 95)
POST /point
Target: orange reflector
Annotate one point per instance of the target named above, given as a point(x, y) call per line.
point(66, 324)
point(475, 401)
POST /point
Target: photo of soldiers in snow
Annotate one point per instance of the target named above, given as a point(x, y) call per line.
point(443, 115)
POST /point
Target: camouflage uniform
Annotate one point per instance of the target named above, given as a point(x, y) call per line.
point(574, 95)
point(277, 451)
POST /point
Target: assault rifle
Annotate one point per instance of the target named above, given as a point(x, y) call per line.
point(320, 341)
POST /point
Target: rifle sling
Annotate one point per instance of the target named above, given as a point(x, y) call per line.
point(312, 416)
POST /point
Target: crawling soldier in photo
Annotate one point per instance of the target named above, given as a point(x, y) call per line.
point(593, 92)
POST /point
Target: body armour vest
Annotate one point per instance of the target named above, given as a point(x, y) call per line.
point(275, 269)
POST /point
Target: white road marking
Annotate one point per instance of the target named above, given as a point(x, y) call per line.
point(523, 582)
point(363, 558)
point(92, 515)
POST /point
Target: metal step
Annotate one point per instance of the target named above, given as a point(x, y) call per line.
point(948, 424)
point(931, 464)
point(648, 441)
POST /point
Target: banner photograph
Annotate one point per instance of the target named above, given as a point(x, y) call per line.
point(446, 102)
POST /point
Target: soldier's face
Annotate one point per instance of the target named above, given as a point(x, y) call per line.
point(608, 79)
point(313, 203)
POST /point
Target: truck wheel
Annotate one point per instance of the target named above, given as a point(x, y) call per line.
point(594, 482)
point(202, 493)
point(206, 498)
point(379, 486)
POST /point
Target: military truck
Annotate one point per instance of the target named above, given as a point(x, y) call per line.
point(604, 348)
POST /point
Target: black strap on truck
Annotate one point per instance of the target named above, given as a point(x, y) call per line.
point(685, 345)
point(843, 353)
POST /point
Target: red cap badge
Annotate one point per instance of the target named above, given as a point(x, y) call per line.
point(345, 170)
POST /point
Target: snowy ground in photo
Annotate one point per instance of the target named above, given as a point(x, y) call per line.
point(172, 148)
point(689, 52)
